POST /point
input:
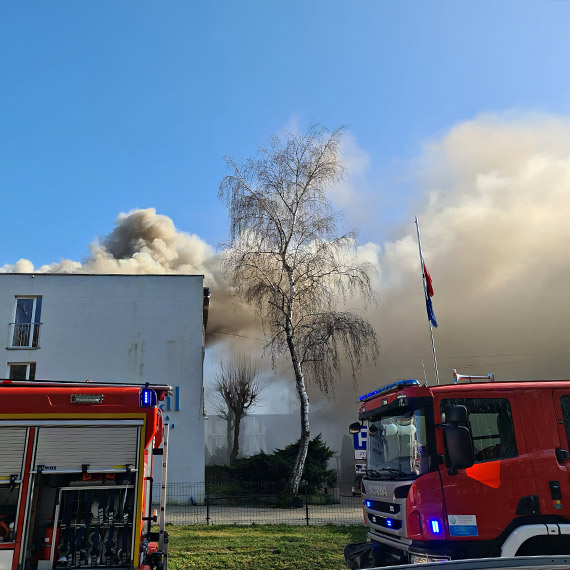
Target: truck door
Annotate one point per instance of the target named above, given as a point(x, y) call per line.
point(12, 458)
point(483, 499)
point(562, 408)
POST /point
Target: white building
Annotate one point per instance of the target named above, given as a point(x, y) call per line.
point(122, 328)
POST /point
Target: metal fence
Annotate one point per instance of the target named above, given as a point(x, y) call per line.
point(249, 503)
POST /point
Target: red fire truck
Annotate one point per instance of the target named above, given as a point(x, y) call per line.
point(467, 470)
point(76, 473)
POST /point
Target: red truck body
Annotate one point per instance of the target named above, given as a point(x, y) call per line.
point(513, 499)
point(76, 468)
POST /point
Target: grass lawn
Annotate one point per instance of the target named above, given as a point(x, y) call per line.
point(260, 547)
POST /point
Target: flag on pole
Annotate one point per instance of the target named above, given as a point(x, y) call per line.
point(430, 313)
point(429, 294)
point(429, 284)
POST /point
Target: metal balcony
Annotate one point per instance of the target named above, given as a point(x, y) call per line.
point(24, 335)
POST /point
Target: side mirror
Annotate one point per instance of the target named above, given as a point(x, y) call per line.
point(354, 428)
point(459, 447)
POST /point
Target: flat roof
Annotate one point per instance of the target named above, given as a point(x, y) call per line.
point(502, 384)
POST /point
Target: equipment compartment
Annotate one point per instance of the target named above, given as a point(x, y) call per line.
point(83, 526)
point(95, 527)
point(8, 508)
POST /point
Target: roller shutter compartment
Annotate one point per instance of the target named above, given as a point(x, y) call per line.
point(12, 451)
point(102, 448)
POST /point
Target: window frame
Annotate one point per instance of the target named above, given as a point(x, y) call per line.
point(35, 323)
point(469, 403)
point(31, 368)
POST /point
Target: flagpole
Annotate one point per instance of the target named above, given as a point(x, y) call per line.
point(425, 293)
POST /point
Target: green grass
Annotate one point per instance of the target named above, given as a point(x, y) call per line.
point(260, 547)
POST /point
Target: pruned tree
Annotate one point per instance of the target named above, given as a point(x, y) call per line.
point(238, 387)
point(225, 412)
point(287, 257)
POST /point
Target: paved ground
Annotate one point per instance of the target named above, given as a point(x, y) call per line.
point(348, 512)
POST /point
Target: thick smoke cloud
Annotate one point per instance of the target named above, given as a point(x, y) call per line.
point(144, 242)
point(495, 237)
point(141, 242)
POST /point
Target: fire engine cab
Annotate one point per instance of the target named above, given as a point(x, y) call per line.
point(76, 473)
point(467, 470)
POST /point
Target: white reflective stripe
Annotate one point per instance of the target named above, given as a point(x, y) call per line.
point(102, 448)
point(12, 449)
point(520, 535)
point(76, 423)
point(91, 471)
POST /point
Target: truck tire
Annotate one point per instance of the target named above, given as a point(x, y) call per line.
point(358, 555)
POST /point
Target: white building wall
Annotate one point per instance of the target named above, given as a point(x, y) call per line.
point(124, 328)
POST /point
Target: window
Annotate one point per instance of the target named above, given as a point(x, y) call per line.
point(22, 370)
point(491, 424)
point(565, 403)
point(398, 445)
point(26, 325)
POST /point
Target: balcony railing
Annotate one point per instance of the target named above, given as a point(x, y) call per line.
point(24, 335)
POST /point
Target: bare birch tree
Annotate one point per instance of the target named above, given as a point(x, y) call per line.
point(287, 257)
point(238, 386)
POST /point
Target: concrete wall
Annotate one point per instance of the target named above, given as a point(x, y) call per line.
point(125, 328)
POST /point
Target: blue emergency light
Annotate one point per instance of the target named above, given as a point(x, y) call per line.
point(435, 526)
point(148, 398)
point(394, 386)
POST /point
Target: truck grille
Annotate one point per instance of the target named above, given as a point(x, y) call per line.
point(386, 522)
point(386, 517)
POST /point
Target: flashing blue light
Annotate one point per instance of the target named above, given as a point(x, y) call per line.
point(434, 526)
point(389, 388)
point(389, 523)
point(369, 504)
point(148, 398)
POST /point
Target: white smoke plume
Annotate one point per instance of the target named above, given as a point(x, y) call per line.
point(495, 238)
point(141, 242)
point(144, 242)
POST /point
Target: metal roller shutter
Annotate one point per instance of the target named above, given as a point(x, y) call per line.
point(103, 448)
point(12, 449)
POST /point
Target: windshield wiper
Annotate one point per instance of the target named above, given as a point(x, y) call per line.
point(373, 472)
point(386, 472)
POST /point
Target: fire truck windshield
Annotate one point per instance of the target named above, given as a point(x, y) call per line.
point(397, 446)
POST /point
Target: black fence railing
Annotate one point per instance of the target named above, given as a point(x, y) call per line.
point(247, 503)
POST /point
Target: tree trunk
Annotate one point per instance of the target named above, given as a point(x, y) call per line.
point(229, 432)
point(235, 446)
point(297, 474)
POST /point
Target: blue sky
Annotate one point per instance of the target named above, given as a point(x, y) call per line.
point(107, 106)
